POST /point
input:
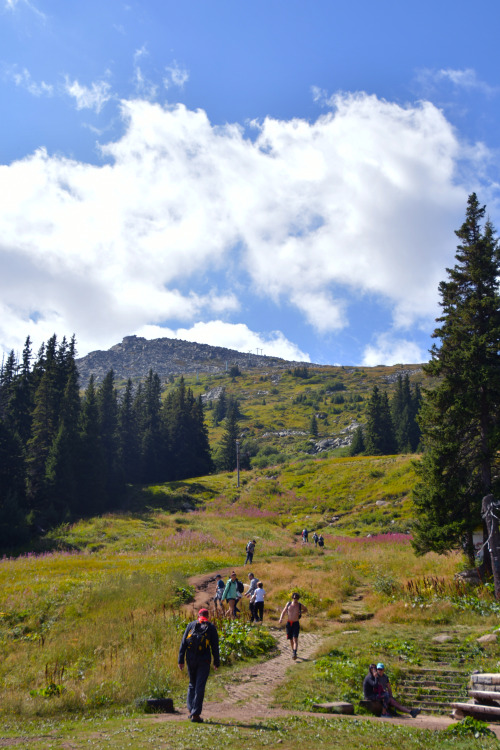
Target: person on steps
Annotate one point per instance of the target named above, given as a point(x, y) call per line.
point(384, 692)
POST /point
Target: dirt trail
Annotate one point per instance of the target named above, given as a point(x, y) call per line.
point(249, 691)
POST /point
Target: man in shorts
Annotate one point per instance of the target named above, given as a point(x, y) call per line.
point(293, 611)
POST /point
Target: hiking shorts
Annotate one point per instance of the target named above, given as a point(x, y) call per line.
point(292, 629)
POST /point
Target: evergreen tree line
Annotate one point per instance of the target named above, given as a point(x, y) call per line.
point(391, 426)
point(63, 456)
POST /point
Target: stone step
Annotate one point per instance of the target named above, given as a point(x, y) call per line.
point(442, 684)
point(477, 710)
point(439, 672)
point(447, 698)
point(425, 681)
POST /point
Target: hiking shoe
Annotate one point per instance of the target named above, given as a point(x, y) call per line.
point(294, 655)
point(414, 712)
point(196, 718)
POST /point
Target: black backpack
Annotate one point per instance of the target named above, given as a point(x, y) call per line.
point(197, 639)
point(239, 587)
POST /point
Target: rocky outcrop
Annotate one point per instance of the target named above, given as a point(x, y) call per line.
point(393, 376)
point(135, 356)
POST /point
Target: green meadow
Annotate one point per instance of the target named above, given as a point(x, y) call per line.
point(91, 622)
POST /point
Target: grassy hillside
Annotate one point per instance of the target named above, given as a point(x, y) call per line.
point(275, 401)
point(91, 626)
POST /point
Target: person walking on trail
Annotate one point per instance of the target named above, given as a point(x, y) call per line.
point(305, 536)
point(219, 589)
point(315, 539)
point(257, 601)
point(384, 695)
point(251, 591)
point(199, 644)
point(250, 549)
point(321, 541)
point(231, 594)
point(293, 611)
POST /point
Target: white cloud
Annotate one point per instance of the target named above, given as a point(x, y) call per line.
point(175, 75)
point(465, 79)
point(390, 350)
point(12, 5)
point(23, 79)
point(93, 97)
point(362, 202)
point(232, 336)
point(144, 87)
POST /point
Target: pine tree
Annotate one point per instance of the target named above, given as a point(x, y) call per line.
point(152, 438)
point(225, 458)
point(128, 445)
point(313, 426)
point(107, 406)
point(61, 469)
point(91, 473)
point(358, 443)
point(220, 409)
point(13, 526)
point(459, 417)
point(379, 431)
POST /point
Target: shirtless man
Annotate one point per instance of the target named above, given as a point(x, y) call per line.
point(293, 610)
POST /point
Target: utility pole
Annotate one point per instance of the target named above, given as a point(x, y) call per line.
point(238, 463)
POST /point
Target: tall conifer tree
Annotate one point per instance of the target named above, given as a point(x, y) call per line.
point(459, 418)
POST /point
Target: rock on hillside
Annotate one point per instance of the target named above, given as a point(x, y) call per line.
point(135, 356)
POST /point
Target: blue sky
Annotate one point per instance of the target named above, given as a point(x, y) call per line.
point(278, 175)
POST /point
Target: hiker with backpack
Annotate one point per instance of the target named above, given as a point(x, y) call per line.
point(257, 603)
point(250, 549)
point(232, 592)
point(321, 541)
point(219, 588)
point(293, 611)
point(315, 539)
point(199, 644)
point(251, 591)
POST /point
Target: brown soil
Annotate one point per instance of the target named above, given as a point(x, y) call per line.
point(249, 691)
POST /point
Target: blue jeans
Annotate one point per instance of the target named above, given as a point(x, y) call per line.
point(198, 675)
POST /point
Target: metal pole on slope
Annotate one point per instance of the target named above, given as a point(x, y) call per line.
point(238, 463)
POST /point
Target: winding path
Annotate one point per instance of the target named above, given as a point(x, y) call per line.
point(249, 691)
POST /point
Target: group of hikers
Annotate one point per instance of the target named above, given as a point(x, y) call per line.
point(317, 538)
point(233, 591)
point(200, 641)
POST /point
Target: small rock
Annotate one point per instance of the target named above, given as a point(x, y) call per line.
point(442, 638)
point(488, 638)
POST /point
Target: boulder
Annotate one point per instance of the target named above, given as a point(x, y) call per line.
point(488, 638)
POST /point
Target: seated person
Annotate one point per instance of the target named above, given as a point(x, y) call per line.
point(383, 689)
point(370, 691)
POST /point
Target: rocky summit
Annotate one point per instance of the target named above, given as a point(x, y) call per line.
point(135, 356)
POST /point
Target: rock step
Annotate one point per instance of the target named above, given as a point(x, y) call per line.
point(427, 682)
point(434, 670)
point(448, 698)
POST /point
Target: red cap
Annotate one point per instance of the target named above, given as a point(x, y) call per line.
point(203, 615)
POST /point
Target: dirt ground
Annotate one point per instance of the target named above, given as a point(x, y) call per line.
point(250, 690)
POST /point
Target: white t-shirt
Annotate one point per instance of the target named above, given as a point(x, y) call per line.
point(258, 596)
